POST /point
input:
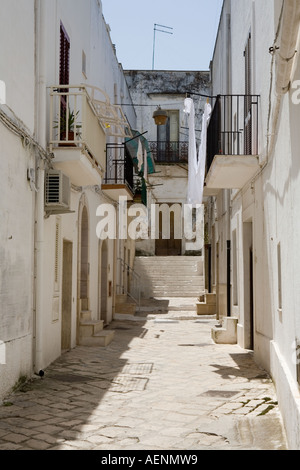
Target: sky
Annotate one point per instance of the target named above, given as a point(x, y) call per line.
point(139, 43)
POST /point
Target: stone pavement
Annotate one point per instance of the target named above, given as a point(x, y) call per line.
point(162, 384)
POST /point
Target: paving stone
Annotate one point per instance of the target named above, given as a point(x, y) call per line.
point(171, 388)
point(36, 444)
point(14, 438)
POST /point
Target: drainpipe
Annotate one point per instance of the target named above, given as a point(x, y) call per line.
point(286, 52)
point(40, 116)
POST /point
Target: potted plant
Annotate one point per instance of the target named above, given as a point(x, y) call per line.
point(68, 128)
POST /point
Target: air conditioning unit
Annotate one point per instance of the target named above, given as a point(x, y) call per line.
point(57, 191)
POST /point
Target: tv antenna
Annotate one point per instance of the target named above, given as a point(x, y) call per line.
point(162, 31)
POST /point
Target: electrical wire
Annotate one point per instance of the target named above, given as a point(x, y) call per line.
point(18, 129)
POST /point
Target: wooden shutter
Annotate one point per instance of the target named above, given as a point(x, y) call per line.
point(64, 58)
point(64, 75)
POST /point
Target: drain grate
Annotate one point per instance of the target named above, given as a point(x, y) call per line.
point(124, 384)
point(138, 369)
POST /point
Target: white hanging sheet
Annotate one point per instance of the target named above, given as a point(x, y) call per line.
point(196, 165)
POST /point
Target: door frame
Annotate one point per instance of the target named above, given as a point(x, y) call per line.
point(66, 297)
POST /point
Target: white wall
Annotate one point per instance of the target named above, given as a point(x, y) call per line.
point(17, 58)
point(19, 65)
point(88, 32)
point(17, 198)
point(269, 201)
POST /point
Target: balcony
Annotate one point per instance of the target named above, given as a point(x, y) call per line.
point(232, 143)
point(165, 152)
point(80, 119)
point(118, 180)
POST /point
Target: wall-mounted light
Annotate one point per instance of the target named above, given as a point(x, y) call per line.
point(160, 117)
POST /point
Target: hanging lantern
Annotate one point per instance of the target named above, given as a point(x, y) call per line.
point(160, 117)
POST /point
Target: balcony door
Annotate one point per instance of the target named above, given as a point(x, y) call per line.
point(168, 138)
point(248, 98)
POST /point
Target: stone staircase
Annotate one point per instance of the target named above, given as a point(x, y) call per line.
point(170, 276)
point(91, 332)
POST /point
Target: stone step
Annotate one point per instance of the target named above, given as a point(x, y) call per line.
point(166, 265)
point(206, 309)
point(209, 299)
point(195, 281)
point(170, 270)
point(85, 315)
point(102, 338)
point(90, 328)
point(170, 275)
point(178, 284)
point(173, 276)
point(169, 259)
point(162, 294)
point(126, 308)
point(121, 298)
point(226, 333)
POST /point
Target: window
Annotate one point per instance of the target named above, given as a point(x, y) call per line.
point(169, 132)
point(168, 139)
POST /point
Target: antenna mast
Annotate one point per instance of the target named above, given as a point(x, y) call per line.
point(162, 31)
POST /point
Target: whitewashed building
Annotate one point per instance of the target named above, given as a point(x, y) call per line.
point(60, 276)
point(153, 90)
point(252, 188)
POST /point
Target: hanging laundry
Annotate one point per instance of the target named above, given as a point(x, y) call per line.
point(136, 147)
point(140, 156)
point(196, 164)
point(202, 151)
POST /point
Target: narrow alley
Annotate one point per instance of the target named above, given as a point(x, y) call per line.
point(162, 384)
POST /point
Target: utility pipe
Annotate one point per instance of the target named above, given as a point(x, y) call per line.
point(287, 48)
point(286, 52)
point(40, 112)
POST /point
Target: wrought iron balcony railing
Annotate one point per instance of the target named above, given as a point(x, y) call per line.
point(233, 127)
point(169, 152)
point(119, 166)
